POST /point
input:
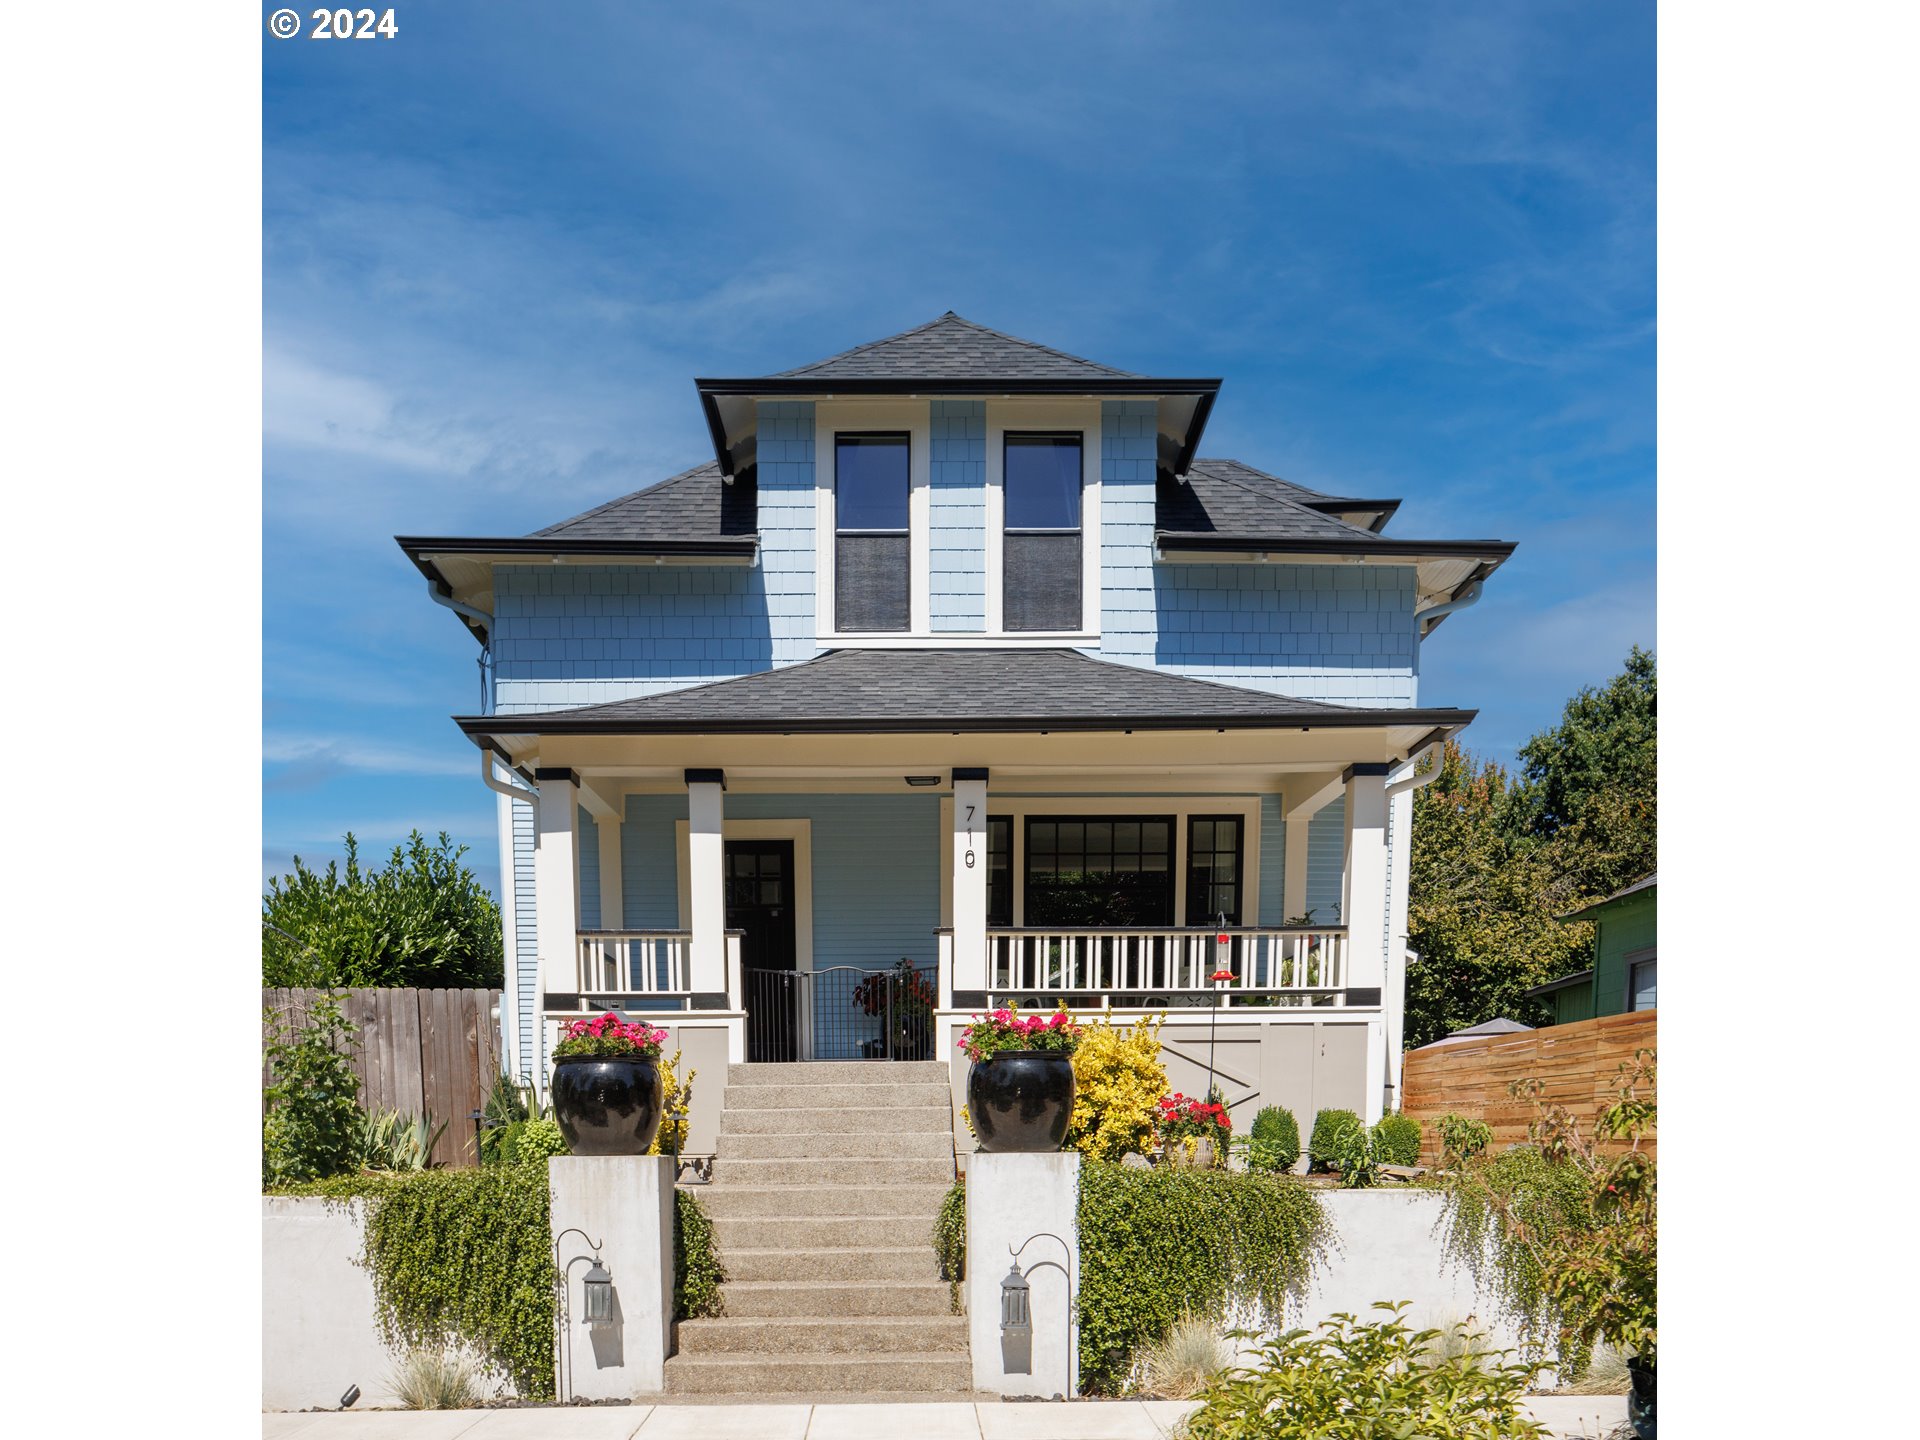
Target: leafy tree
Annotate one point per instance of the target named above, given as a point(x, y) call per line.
point(1482, 897)
point(1495, 860)
point(423, 920)
point(313, 1123)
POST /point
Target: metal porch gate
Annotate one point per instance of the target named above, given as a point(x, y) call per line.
point(844, 1012)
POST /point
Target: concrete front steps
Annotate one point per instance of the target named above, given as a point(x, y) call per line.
point(825, 1186)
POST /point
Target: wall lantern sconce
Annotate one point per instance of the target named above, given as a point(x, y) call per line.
point(1016, 1309)
point(597, 1289)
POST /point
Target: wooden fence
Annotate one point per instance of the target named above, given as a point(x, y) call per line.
point(421, 1051)
point(1580, 1064)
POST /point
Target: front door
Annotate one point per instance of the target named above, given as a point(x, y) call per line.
point(760, 906)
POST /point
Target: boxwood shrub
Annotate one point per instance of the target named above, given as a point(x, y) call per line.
point(1396, 1140)
point(1329, 1126)
point(1273, 1143)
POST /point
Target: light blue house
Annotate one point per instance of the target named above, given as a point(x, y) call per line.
point(955, 654)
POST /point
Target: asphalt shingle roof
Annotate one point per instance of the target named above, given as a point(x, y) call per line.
point(951, 690)
point(693, 505)
point(1225, 497)
point(952, 348)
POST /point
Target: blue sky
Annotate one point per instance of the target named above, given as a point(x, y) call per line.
point(1418, 243)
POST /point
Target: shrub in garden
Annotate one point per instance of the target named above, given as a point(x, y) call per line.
point(1179, 1364)
point(1117, 1082)
point(1157, 1243)
point(390, 1140)
point(1328, 1127)
point(1461, 1138)
point(1274, 1142)
point(1355, 1157)
point(676, 1106)
point(697, 1271)
point(1357, 1380)
point(433, 1379)
point(1396, 1140)
point(537, 1140)
point(314, 1126)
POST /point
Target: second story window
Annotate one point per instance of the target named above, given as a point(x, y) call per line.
point(1041, 554)
point(872, 562)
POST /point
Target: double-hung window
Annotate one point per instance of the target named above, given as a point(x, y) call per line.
point(871, 552)
point(1040, 556)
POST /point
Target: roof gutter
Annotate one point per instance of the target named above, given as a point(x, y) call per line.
point(478, 620)
point(1413, 778)
point(1464, 598)
point(503, 787)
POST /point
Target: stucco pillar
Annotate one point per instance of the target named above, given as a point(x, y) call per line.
point(556, 882)
point(1364, 907)
point(624, 1204)
point(969, 883)
point(1023, 1209)
point(707, 881)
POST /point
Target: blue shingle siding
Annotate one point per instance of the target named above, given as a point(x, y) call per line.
point(1326, 861)
point(580, 634)
point(1127, 470)
point(588, 864)
point(785, 462)
point(649, 861)
point(958, 510)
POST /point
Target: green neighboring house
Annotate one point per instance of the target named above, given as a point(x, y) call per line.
point(1624, 965)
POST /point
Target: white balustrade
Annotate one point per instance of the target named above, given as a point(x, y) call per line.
point(1283, 965)
point(633, 962)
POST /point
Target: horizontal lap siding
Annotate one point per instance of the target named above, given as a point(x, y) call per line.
point(1274, 902)
point(649, 861)
point(1327, 862)
point(588, 862)
point(957, 514)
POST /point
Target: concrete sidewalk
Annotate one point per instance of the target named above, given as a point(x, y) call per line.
point(1578, 1417)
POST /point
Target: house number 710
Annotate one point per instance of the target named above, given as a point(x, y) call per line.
point(970, 810)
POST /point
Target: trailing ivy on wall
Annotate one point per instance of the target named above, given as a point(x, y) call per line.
point(466, 1256)
point(950, 1241)
point(1155, 1243)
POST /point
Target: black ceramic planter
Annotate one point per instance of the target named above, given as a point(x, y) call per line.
point(1021, 1100)
point(607, 1105)
point(1640, 1398)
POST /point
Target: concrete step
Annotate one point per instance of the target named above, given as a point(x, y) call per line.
point(935, 1372)
point(894, 1262)
point(822, 1335)
point(815, 1144)
point(840, 1299)
point(737, 1118)
point(913, 1201)
point(900, 1094)
point(891, 1170)
point(810, 1232)
point(840, 1072)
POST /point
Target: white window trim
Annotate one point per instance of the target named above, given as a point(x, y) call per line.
point(915, 416)
point(832, 417)
point(800, 832)
point(1181, 807)
point(1080, 415)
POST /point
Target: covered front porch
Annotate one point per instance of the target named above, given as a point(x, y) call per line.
point(795, 888)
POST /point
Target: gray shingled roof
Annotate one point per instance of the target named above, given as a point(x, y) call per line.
point(952, 348)
point(693, 505)
point(953, 690)
point(1225, 497)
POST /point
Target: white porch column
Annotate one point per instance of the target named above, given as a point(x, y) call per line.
point(1364, 908)
point(556, 895)
point(707, 881)
point(969, 883)
point(1394, 996)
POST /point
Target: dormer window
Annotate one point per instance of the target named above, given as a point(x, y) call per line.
point(872, 483)
point(1042, 555)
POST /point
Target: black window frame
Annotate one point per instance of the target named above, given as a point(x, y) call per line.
point(1195, 916)
point(1171, 821)
point(1008, 439)
point(1000, 876)
point(904, 439)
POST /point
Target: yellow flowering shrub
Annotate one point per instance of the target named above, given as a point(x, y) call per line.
point(1117, 1079)
point(675, 1106)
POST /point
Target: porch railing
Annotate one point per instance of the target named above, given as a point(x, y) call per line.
point(1095, 967)
point(644, 969)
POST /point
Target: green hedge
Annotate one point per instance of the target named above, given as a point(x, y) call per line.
point(1330, 1128)
point(1156, 1242)
point(1274, 1140)
point(468, 1255)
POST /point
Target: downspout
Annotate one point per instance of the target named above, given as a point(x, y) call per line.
point(1412, 780)
point(504, 787)
point(1465, 598)
point(485, 621)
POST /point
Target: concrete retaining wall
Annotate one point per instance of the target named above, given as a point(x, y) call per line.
point(319, 1331)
